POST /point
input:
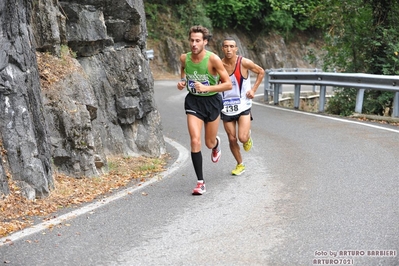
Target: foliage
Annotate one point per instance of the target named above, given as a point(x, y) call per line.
point(385, 62)
point(377, 101)
point(151, 11)
point(343, 102)
point(163, 20)
point(347, 33)
point(361, 37)
point(161, 23)
point(273, 15)
point(385, 19)
point(67, 52)
point(281, 20)
point(193, 13)
point(233, 13)
point(251, 15)
point(291, 14)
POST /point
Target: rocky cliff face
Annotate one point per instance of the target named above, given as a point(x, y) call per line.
point(100, 104)
point(271, 51)
point(76, 86)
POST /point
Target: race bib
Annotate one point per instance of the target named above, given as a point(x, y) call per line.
point(231, 104)
point(191, 86)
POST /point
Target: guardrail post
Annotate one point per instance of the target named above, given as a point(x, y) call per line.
point(322, 98)
point(395, 112)
point(280, 86)
point(266, 86)
point(359, 101)
point(275, 96)
point(358, 81)
point(297, 95)
point(314, 86)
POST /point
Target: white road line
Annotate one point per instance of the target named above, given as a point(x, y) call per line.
point(323, 116)
point(182, 158)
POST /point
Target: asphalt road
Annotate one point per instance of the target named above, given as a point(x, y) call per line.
point(317, 191)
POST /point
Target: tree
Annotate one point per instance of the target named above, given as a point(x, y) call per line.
point(360, 37)
point(381, 53)
point(234, 13)
point(252, 15)
point(291, 14)
point(347, 29)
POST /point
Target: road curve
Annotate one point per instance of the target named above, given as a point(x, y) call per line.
point(318, 190)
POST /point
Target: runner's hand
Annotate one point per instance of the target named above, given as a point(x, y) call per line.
point(199, 87)
point(250, 94)
point(181, 85)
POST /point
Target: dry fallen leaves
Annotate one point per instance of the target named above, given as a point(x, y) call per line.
point(17, 212)
point(52, 69)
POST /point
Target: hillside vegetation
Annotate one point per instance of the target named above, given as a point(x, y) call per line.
point(360, 36)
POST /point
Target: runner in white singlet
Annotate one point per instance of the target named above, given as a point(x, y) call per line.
point(237, 102)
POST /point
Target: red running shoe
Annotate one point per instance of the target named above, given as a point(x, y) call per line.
point(199, 189)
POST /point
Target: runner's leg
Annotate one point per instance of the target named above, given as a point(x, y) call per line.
point(211, 131)
point(230, 128)
point(194, 128)
point(244, 126)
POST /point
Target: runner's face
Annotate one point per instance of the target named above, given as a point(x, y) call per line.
point(197, 42)
point(229, 49)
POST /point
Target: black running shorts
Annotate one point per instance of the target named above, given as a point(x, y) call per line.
point(206, 108)
point(231, 118)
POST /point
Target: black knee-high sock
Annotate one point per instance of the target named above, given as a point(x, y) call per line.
point(196, 157)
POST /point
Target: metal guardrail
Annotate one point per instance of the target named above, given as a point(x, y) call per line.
point(267, 83)
point(276, 78)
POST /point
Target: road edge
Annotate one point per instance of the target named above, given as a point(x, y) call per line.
point(183, 155)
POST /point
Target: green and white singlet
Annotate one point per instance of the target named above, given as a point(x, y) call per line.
point(199, 72)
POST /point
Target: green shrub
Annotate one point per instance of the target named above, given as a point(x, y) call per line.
point(343, 102)
point(194, 13)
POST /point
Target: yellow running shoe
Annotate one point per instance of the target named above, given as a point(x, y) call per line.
point(240, 168)
point(248, 145)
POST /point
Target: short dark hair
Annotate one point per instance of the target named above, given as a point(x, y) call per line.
point(198, 28)
point(229, 38)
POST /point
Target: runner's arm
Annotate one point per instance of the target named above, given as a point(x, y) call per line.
point(260, 74)
point(217, 66)
point(182, 83)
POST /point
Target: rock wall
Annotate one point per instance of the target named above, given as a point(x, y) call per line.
point(102, 104)
point(68, 114)
point(23, 131)
point(271, 51)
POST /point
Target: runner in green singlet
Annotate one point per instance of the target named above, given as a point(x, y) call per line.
point(203, 75)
